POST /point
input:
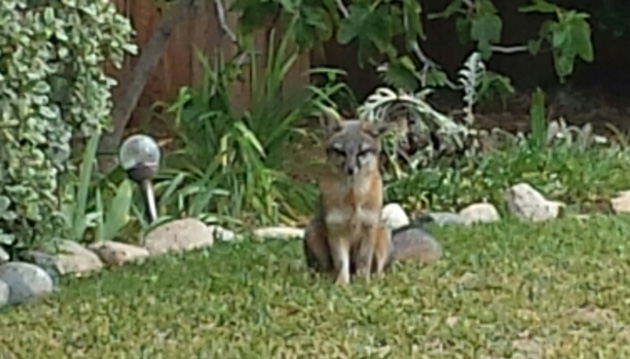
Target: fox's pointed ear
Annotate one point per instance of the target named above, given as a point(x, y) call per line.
point(330, 120)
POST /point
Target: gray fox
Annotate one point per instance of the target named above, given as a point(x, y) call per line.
point(347, 234)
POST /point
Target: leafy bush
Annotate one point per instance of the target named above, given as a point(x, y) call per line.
point(563, 173)
point(101, 205)
point(377, 26)
point(566, 162)
point(51, 84)
point(230, 164)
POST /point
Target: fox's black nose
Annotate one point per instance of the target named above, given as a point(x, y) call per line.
point(351, 170)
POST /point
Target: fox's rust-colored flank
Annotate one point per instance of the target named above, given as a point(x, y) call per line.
point(347, 235)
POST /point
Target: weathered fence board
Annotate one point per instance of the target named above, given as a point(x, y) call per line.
point(179, 65)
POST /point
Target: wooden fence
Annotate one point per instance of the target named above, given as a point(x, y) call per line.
point(179, 65)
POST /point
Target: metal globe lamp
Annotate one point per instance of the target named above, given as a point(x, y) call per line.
point(139, 156)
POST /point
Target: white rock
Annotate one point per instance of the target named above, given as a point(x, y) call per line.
point(480, 213)
point(117, 253)
point(4, 256)
point(621, 203)
point(394, 216)
point(4, 294)
point(221, 233)
point(177, 236)
point(279, 232)
point(527, 203)
point(446, 218)
point(71, 258)
point(25, 281)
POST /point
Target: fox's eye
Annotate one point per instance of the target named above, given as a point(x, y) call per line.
point(365, 152)
point(338, 151)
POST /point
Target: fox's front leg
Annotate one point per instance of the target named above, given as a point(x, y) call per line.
point(316, 249)
point(364, 253)
point(340, 253)
point(383, 249)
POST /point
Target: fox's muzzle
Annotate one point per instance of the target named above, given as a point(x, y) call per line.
point(351, 165)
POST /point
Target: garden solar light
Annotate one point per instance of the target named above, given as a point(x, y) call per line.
point(139, 156)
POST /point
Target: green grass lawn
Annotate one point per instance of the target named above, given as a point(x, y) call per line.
point(502, 291)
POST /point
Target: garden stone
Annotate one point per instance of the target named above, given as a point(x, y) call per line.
point(527, 203)
point(446, 218)
point(480, 213)
point(621, 203)
point(221, 233)
point(394, 216)
point(279, 232)
point(4, 256)
point(25, 281)
point(117, 253)
point(178, 236)
point(72, 258)
point(4, 294)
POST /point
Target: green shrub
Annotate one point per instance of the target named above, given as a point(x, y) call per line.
point(52, 84)
point(566, 173)
point(230, 164)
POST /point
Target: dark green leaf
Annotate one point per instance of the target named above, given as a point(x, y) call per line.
point(540, 6)
point(455, 7)
point(435, 78)
point(486, 29)
point(581, 39)
point(534, 46)
point(401, 74)
point(374, 29)
point(494, 84)
point(412, 11)
point(462, 26)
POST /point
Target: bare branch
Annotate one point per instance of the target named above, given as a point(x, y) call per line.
point(509, 49)
point(430, 63)
point(222, 21)
point(342, 7)
point(421, 56)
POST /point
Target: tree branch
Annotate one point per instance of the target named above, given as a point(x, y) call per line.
point(509, 49)
point(343, 9)
point(222, 20)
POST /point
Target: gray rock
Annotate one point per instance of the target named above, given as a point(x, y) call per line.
point(394, 216)
point(117, 253)
point(25, 281)
point(221, 233)
point(4, 294)
point(279, 233)
point(480, 213)
point(527, 203)
point(72, 258)
point(446, 218)
point(178, 236)
point(4, 256)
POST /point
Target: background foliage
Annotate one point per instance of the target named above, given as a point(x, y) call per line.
point(228, 164)
point(389, 33)
point(52, 85)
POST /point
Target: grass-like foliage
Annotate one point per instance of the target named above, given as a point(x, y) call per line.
point(501, 288)
point(228, 162)
point(565, 173)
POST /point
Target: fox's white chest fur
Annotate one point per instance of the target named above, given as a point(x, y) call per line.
point(344, 215)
